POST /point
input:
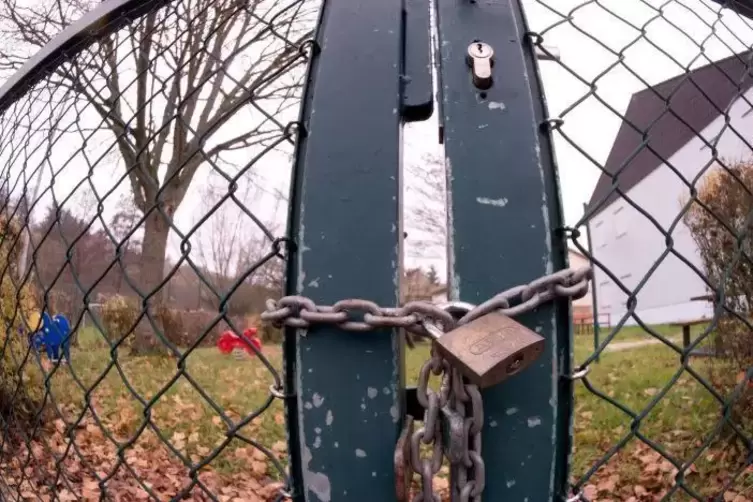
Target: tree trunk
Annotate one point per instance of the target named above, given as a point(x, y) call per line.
point(151, 274)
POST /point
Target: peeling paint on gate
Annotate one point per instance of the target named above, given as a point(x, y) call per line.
point(503, 214)
point(343, 420)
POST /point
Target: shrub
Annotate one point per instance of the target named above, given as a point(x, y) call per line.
point(196, 321)
point(266, 332)
point(118, 315)
point(181, 327)
point(20, 380)
point(172, 325)
point(719, 231)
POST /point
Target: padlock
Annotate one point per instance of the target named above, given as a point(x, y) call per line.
point(403, 468)
point(489, 349)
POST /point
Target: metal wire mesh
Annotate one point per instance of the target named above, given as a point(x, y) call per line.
point(650, 102)
point(145, 154)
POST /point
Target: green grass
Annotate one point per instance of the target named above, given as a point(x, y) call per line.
point(633, 377)
point(628, 334)
point(680, 421)
point(90, 338)
point(178, 409)
point(632, 333)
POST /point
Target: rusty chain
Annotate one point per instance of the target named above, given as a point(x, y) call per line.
point(458, 402)
point(301, 312)
point(431, 433)
point(462, 442)
point(470, 471)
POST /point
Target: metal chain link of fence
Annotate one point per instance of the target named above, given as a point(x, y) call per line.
point(462, 445)
point(652, 102)
point(101, 136)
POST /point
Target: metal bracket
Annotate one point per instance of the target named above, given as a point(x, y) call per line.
point(547, 53)
point(417, 99)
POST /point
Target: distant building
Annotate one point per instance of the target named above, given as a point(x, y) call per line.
point(672, 124)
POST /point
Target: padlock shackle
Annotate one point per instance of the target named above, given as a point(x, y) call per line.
point(456, 309)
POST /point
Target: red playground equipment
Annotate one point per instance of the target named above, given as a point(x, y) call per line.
point(229, 341)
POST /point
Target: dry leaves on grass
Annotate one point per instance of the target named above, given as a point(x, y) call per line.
point(440, 486)
point(644, 475)
point(36, 471)
point(610, 483)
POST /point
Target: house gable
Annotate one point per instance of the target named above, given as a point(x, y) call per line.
point(743, 7)
point(629, 244)
point(695, 101)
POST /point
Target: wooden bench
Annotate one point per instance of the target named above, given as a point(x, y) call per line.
point(583, 322)
point(686, 325)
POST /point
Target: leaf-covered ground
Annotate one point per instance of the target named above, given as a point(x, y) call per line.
point(682, 419)
point(184, 447)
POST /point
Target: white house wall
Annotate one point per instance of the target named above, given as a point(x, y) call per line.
point(628, 244)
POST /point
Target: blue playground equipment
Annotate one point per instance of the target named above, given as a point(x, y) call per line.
point(54, 335)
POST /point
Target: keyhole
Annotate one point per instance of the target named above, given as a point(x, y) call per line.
point(515, 365)
point(480, 47)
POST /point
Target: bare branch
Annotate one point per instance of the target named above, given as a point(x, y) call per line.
point(166, 89)
point(426, 212)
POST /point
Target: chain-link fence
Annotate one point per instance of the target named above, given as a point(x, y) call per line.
point(651, 105)
point(146, 149)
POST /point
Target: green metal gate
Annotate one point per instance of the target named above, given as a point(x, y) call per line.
point(346, 391)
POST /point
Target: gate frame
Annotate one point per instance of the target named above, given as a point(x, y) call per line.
point(346, 390)
point(502, 175)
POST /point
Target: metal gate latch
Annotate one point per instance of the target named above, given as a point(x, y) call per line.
point(480, 60)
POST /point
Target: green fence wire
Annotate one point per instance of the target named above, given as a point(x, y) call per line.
point(650, 102)
point(139, 147)
point(143, 144)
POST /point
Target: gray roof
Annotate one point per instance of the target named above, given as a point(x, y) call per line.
point(744, 7)
point(665, 117)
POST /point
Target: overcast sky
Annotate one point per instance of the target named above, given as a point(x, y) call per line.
point(691, 31)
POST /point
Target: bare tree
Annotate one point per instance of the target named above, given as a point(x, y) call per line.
point(426, 209)
point(51, 133)
point(124, 224)
point(123, 227)
point(165, 87)
point(85, 202)
point(230, 244)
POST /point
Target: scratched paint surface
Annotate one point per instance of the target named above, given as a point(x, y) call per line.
point(504, 209)
point(345, 416)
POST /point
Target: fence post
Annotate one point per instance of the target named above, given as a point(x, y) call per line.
point(504, 217)
point(345, 220)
